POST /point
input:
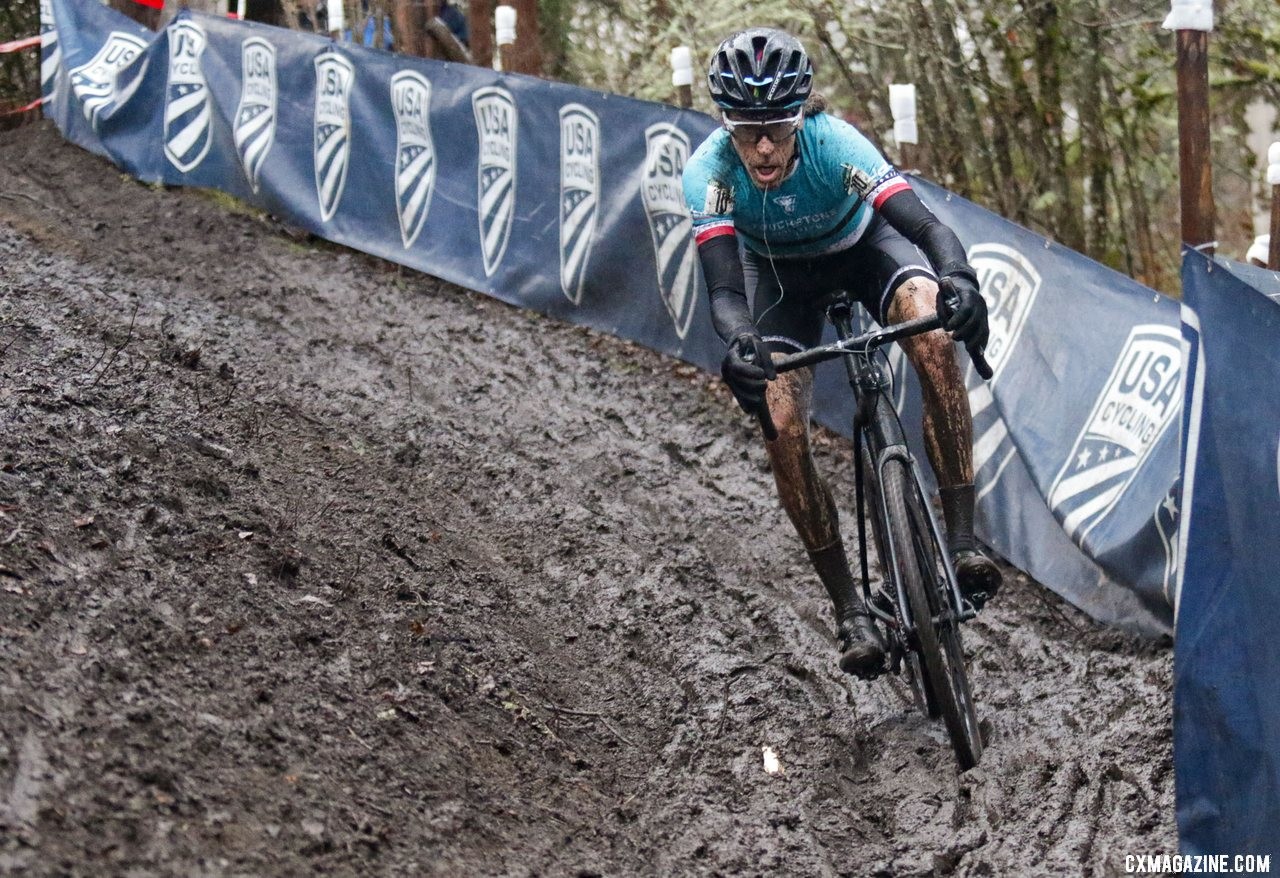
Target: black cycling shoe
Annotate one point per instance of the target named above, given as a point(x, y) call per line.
point(861, 649)
point(977, 575)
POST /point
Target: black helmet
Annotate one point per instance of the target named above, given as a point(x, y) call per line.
point(760, 69)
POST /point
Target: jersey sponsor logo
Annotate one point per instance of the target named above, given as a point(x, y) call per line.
point(187, 114)
point(1141, 398)
point(50, 50)
point(96, 84)
point(579, 195)
point(719, 200)
point(662, 190)
point(332, 147)
point(1010, 285)
point(495, 113)
point(856, 181)
point(786, 202)
point(255, 122)
point(415, 152)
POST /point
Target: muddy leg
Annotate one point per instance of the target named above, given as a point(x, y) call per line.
point(804, 494)
point(948, 436)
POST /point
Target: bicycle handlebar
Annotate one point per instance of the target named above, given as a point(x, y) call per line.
point(864, 343)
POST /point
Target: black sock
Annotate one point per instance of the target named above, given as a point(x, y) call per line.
point(832, 566)
point(957, 512)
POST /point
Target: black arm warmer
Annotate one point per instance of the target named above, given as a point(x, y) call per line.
point(726, 286)
point(906, 212)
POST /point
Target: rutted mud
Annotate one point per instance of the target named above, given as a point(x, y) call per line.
point(311, 564)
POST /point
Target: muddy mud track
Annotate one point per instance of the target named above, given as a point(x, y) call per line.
point(311, 564)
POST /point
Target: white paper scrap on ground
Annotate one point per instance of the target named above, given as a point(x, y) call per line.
point(771, 763)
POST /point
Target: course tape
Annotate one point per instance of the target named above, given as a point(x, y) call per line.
point(31, 106)
point(19, 45)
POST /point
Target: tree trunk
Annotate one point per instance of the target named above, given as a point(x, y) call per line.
point(480, 26)
point(409, 27)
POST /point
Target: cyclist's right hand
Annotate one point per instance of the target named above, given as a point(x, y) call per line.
point(747, 368)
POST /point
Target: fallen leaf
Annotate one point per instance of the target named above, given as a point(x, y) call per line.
point(245, 534)
point(389, 713)
point(84, 522)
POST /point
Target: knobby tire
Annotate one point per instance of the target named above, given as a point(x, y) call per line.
point(925, 700)
point(941, 654)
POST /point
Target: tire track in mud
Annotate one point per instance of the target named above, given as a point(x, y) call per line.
point(497, 613)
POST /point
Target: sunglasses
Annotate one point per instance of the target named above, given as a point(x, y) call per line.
point(749, 132)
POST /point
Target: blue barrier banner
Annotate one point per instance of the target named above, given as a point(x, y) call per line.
point(1263, 280)
point(1226, 666)
point(569, 201)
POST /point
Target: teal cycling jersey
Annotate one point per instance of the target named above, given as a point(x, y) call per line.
point(824, 205)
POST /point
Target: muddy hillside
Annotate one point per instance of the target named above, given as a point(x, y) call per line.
point(313, 565)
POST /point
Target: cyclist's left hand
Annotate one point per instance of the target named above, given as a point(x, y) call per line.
point(965, 316)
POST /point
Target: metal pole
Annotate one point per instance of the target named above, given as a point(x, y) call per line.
point(1193, 21)
point(682, 75)
point(1273, 177)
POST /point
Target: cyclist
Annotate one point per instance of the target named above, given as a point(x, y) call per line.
point(788, 203)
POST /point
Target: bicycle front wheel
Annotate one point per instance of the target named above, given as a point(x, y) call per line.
point(937, 634)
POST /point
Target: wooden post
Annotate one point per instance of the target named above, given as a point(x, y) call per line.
point(682, 75)
point(480, 26)
point(1193, 21)
point(1273, 177)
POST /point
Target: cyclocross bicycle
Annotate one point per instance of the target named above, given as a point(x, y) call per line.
point(920, 607)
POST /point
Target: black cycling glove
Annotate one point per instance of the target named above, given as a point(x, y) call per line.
point(963, 310)
point(747, 368)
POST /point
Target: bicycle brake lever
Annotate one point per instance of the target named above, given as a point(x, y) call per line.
point(766, 422)
point(949, 300)
point(978, 355)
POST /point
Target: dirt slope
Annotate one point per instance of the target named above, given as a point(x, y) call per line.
point(310, 564)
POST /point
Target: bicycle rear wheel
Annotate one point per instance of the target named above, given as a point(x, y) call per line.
point(937, 633)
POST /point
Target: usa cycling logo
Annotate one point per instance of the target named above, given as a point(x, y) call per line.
point(334, 75)
point(415, 152)
point(1140, 400)
point(255, 124)
point(579, 195)
point(186, 104)
point(495, 112)
point(96, 84)
point(662, 190)
point(50, 50)
point(1010, 285)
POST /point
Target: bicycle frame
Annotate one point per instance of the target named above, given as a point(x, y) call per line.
point(924, 628)
point(877, 424)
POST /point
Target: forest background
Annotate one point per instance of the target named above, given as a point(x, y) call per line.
point(1060, 115)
